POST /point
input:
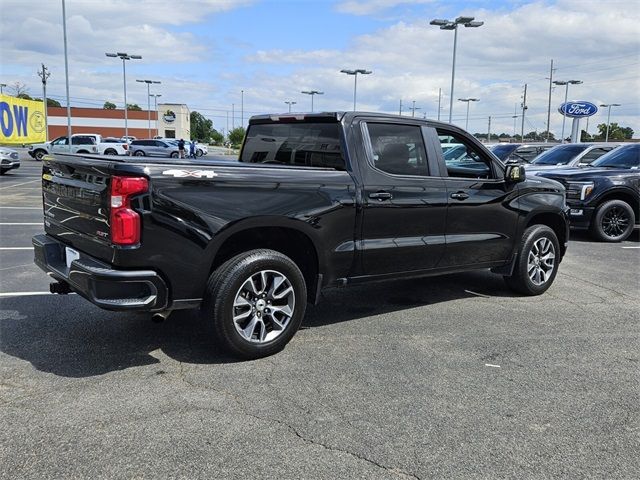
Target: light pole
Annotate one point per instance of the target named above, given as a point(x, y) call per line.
point(468, 101)
point(124, 57)
point(312, 93)
point(453, 25)
point(44, 74)
point(414, 108)
point(566, 95)
point(66, 73)
point(155, 107)
point(2, 85)
point(355, 73)
point(290, 103)
point(608, 105)
point(148, 82)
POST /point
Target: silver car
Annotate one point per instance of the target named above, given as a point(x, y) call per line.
point(569, 155)
point(153, 148)
point(8, 160)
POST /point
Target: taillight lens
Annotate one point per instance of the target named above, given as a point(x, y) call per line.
point(125, 222)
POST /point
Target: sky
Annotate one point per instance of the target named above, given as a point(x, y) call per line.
point(237, 58)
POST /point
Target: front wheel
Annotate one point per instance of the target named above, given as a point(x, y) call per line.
point(613, 221)
point(40, 154)
point(174, 155)
point(139, 153)
point(199, 153)
point(537, 262)
point(255, 303)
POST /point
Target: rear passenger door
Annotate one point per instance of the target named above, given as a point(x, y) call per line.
point(481, 222)
point(404, 199)
point(594, 154)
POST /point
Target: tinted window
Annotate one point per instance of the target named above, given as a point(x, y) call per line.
point(503, 151)
point(60, 141)
point(462, 158)
point(594, 154)
point(560, 155)
point(622, 157)
point(137, 142)
point(398, 149)
point(82, 141)
point(302, 144)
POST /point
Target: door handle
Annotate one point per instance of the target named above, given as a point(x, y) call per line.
point(459, 196)
point(381, 196)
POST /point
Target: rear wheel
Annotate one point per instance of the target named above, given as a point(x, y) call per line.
point(39, 154)
point(537, 262)
point(139, 153)
point(174, 155)
point(110, 151)
point(199, 153)
point(613, 221)
point(255, 303)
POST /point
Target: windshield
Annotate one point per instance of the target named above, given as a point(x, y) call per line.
point(560, 155)
point(627, 156)
point(503, 151)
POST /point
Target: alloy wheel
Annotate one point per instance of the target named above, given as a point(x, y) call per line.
point(541, 261)
point(615, 222)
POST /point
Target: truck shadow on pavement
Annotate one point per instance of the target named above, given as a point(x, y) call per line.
point(69, 337)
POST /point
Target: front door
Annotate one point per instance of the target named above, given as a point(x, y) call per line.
point(404, 200)
point(481, 221)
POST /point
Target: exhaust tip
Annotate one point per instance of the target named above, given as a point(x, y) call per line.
point(160, 317)
point(60, 288)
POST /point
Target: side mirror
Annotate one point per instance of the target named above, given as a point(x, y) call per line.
point(515, 173)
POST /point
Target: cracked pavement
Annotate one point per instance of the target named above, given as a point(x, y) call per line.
point(413, 379)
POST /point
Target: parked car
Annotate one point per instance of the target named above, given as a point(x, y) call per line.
point(316, 200)
point(106, 148)
point(79, 144)
point(604, 196)
point(201, 148)
point(9, 160)
point(521, 152)
point(153, 148)
point(128, 139)
point(569, 155)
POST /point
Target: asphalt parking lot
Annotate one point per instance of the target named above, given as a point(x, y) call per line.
point(448, 377)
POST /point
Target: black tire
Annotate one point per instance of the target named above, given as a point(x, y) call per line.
point(529, 249)
point(38, 154)
point(2, 172)
point(199, 153)
point(110, 151)
point(613, 221)
point(139, 153)
point(223, 289)
point(174, 155)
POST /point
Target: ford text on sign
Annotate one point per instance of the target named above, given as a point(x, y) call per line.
point(578, 109)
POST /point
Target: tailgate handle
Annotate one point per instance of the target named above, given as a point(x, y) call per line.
point(381, 196)
point(459, 196)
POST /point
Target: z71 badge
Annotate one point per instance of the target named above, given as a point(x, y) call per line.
point(190, 173)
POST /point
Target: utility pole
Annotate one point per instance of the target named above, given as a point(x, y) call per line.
point(44, 75)
point(489, 130)
point(549, 107)
point(439, 101)
point(414, 108)
point(400, 107)
point(524, 110)
point(242, 108)
point(515, 119)
point(66, 73)
point(233, 116)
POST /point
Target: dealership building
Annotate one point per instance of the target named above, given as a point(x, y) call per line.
point(171, 120)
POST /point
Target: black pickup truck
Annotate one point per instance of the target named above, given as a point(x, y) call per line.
point(604, 196)
point(315, 200)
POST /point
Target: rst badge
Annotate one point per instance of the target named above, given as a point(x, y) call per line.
point(178, 173)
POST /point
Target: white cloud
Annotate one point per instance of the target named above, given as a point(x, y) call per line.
point(369, 7)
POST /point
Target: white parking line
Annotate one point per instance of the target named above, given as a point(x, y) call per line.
point(630, 247)
point(491, 365)
point(39, 223)
point(16, 248)
point(20, 208)
point(23, 294)
point(19, 184)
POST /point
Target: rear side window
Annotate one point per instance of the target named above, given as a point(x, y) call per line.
point(300, 144)
point(82, 141)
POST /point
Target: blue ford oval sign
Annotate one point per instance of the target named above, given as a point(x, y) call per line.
point(578, 109)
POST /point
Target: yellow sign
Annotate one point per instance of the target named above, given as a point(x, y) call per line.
point(21, 121)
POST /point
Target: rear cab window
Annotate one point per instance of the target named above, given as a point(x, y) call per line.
point(304, 144)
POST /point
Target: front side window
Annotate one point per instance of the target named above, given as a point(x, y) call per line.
point(308, 144)
point(560, 155)
point(398, 149)
point(60, 141)
point(462, 158)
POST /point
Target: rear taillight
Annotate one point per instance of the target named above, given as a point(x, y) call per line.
point(125, 146)
point(125, 222)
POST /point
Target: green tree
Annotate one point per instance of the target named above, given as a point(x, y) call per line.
point(616, 132)
point(50, 102)
point(24, 96)
point(585, 137)
point(201, 127)
point(133, 106)
point(217, 137)
point(236, 136)
point(109, 105)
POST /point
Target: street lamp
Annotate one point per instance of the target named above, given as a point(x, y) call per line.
point(290, 103)
point(155, 106)
point(453, 25)
point(148, 82)
point(566, 95)
point(609, 105)
point(355, 80)
point(468, 101)
point(312, 93)
point(124, 57)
